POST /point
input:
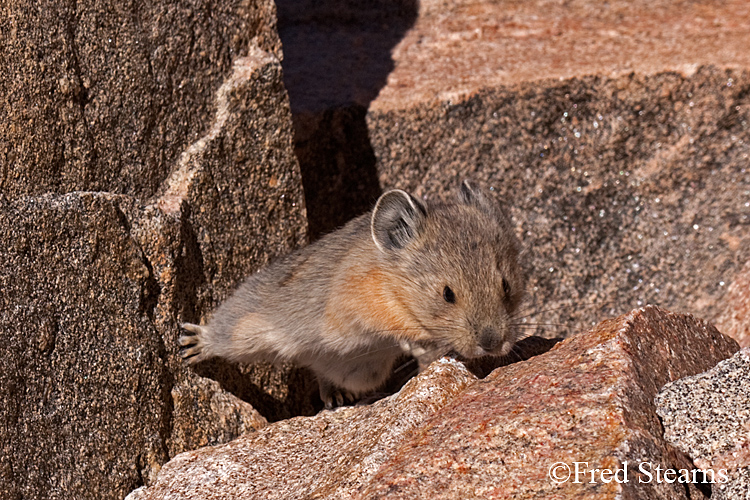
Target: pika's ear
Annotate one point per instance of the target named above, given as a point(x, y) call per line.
point(396, 220)
point(472, 195)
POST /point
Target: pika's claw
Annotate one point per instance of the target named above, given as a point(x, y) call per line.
point(194, 329)
point(329, 393)
point(191, 355)
point(187, 340)
point(192, 346)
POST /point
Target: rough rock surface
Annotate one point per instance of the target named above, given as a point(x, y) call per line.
point(84, 406)
point(326, 456)
point(232, 205)
point(618, 133)
point(146, 167)
point(457, 46)
point(590, 399)
point(708, 417)
point(104, 96)
point(448, 435)
point(733, 320)
point(240, 176)
point(620, 186)
point(177, 116)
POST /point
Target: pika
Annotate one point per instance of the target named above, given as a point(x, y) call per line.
point(425, 279)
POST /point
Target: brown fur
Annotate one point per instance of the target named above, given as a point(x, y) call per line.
point(350, 304)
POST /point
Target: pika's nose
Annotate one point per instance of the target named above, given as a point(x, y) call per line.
point(489, 339)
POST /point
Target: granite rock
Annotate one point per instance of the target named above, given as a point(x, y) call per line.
point(233, 203)
point(94, 396)
point(330, 455)
point(620, 182)
point(449, 435)
point(177, 116)
point(735, 309)
point(617, 190)
point(615, 208)
point(104, 96)
point(590, 399)
point(241, 176)
point(200, 411)
point(708, 417)
point(84, 406)
point(456, 47)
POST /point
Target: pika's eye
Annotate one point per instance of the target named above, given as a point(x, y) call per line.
point(506, 288)
point(448, 295)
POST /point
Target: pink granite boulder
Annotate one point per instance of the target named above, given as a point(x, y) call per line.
point(588, 401)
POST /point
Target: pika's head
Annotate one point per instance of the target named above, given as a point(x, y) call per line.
point(456, 270)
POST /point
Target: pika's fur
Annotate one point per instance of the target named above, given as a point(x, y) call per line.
point(425, 279)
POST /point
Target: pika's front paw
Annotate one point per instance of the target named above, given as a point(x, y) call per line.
point(424, 354)
point(192, 346)
point(330, 393)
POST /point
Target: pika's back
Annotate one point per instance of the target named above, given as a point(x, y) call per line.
point(295, 289)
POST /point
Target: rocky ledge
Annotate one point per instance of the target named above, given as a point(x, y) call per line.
point(707, 416)
point(517, 433)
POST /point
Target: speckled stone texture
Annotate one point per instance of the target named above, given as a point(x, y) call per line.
point(233, 203)
point(449, 435)
point(590, 399)
point(735, 308)
point(708, 417)
point(83, 402)
point(617, 132)
point(104, 96)
point(458, 46)
point(626, 191)
point(331, 455)
point(177, 117)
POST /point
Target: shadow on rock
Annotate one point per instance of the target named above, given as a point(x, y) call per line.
point(337, 57)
